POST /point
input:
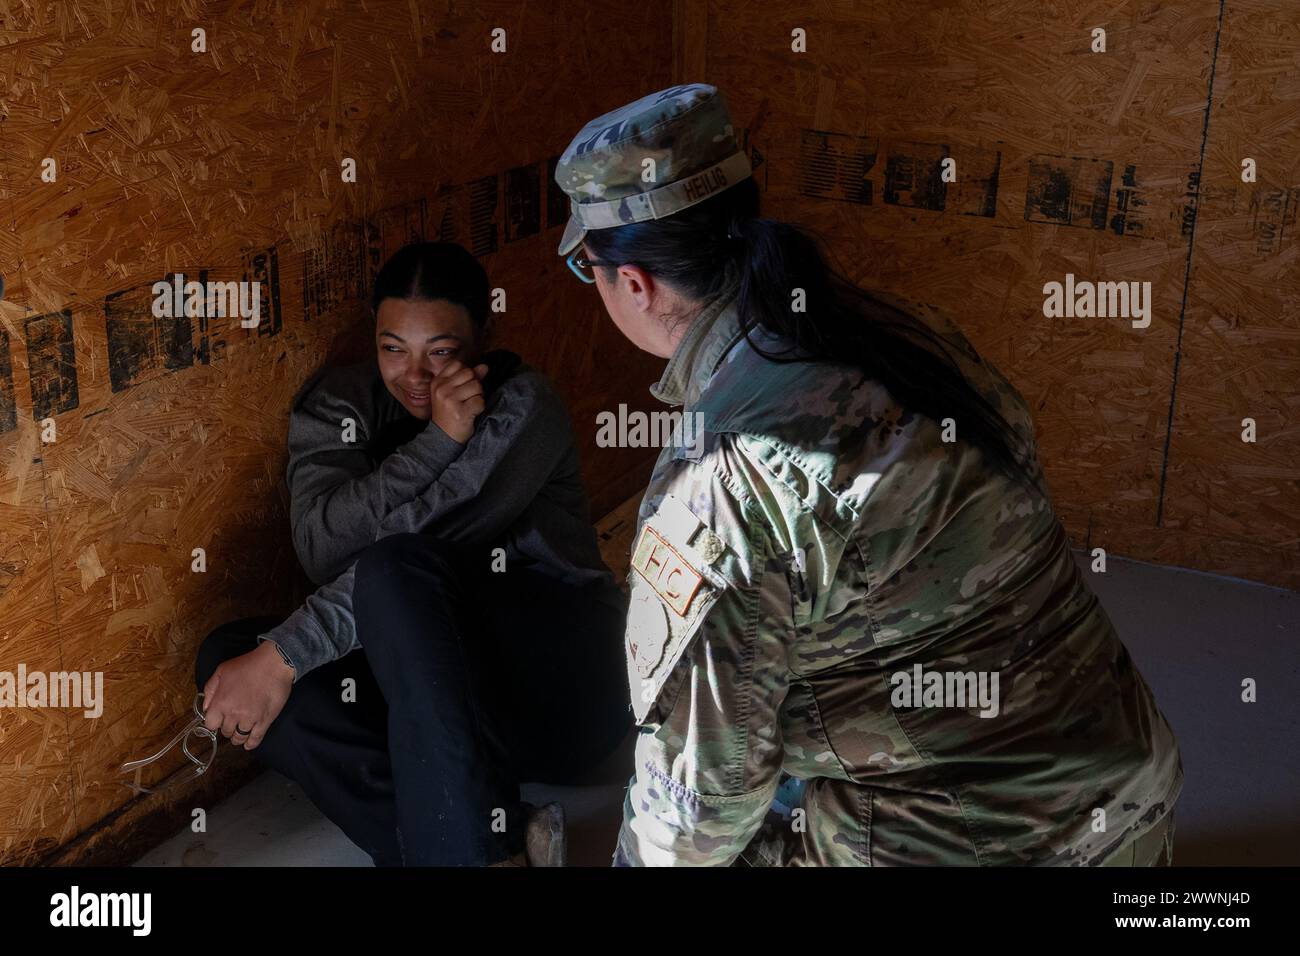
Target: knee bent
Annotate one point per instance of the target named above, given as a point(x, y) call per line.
point(392, 560)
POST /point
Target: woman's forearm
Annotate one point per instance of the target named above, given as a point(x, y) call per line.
point(320, 631)
point(335, 513)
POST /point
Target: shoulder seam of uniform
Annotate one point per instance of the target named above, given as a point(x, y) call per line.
point(812, 477)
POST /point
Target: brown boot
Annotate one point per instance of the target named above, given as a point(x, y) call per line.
point(544, 840)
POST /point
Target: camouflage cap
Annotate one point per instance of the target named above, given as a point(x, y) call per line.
point(648, 160)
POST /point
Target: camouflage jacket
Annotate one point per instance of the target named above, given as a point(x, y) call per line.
point(804, 571)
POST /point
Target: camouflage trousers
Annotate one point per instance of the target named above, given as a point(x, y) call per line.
point(1153, 848)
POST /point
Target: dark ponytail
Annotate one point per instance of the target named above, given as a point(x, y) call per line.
point(722, 244)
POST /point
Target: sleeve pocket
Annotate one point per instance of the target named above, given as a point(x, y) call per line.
point(657, 637)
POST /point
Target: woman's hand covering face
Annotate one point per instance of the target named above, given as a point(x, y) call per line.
point(457, 399)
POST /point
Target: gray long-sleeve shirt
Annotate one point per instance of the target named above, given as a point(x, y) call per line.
point(515, 484)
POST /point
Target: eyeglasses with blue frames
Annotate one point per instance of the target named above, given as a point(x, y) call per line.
point(582, 266)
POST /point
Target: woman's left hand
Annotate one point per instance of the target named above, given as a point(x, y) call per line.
point(246, 693)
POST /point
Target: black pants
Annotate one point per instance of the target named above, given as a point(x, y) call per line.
point(467, 683)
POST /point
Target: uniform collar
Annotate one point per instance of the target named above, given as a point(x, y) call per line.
point(710, 337)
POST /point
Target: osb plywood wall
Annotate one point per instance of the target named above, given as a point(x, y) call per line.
point(1117, 166)
point(226, 165)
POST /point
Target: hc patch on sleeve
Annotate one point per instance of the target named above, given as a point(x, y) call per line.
point(665, 570)
point(673, 587)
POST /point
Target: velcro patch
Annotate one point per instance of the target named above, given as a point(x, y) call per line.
point(665, 570)
point(648, 631)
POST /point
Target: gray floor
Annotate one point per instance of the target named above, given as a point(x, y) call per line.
point(1194, 636)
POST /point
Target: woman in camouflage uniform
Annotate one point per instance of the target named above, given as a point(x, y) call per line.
point(852, 575)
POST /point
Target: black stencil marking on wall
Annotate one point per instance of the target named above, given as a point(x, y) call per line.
point(263, 267)
point(345, 263)
point(975, 193)
point(1064, 190)
point(8, 406)
point(335, 271)
point(450, 217)
point(523, 202)
point(1191, 197)
point(1068, 191)
point(392, 228)
point(483, 215)
point(350, 242)
point(835, 166)
point(371, 239)
point(913, 175)
point(52, 359)
point(316, 299)
point(217, 314)
point(1129, 218)
point(557, 200)
point(1272, 211)
point(140, 344)
point(1193, 182)
point(207, 310)
point(397, 226)
point(838, 166)
point(343, 267)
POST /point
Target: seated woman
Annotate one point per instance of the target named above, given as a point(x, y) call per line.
point(466, 634)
